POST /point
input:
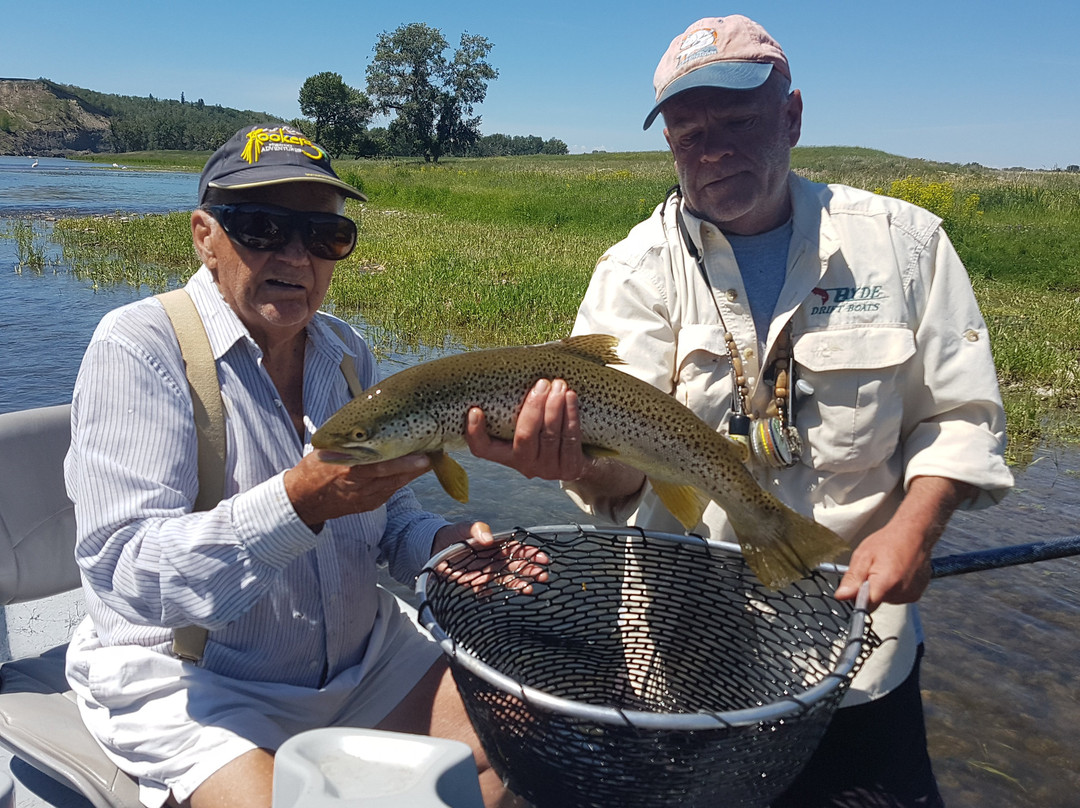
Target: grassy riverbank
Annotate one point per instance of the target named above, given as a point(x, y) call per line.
point(164, 159)
point(499, 250)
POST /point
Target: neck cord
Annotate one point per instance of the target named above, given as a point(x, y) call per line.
point(774, 440)
point(741, 395)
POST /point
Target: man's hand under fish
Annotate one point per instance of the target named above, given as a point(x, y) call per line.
point(547, 444)
point(547, 436)
point(322, 490)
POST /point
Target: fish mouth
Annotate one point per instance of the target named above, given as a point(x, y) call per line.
point(346, 455)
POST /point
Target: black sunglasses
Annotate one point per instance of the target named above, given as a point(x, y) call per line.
point(268, 227)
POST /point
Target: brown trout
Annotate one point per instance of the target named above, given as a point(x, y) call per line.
point(423, 409)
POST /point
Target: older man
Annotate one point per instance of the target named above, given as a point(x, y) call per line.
point(892, 420)
point(275, 575)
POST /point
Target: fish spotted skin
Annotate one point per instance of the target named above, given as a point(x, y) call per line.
point(424, 409)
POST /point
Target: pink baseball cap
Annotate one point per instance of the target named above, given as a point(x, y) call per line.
point(731, 52)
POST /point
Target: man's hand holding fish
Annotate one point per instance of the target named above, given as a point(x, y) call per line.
point(547, 444)
point(321, 487)
point(320, 490)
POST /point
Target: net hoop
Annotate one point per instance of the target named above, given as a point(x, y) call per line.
point(779, 710)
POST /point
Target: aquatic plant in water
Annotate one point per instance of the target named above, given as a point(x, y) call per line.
point(30, 244)
point(154, 250)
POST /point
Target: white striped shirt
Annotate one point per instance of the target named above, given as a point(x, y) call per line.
point(281, 602)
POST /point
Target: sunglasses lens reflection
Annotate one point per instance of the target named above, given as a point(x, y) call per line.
point(265, 227)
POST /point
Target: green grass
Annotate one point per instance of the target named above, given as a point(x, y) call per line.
point(152, 251)
point(490, 251)
point(499, 251)
point(161, 159)
point(31, 248)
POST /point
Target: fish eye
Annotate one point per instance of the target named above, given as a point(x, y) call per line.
point(360, 434)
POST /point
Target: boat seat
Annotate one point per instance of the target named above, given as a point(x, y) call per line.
point(39, 720)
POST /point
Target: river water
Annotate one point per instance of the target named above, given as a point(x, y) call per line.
point(1003, 647)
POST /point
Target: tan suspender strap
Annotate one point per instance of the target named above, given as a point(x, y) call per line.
point(189, 642)
point(205, 395)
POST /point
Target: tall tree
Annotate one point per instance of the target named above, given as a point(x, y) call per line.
point(430, 96)
point(339, 112)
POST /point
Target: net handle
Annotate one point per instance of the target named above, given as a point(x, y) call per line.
point(998, 557)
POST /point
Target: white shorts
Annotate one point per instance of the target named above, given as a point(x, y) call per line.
point(172, 724)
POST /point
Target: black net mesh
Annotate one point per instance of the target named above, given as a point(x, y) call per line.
point(649, 669)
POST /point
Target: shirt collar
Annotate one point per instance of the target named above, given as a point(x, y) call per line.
point(810, 215)
point(329, 336)
point(223, 327)
point(694, 225)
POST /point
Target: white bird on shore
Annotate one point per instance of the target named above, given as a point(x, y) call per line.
point(33, 164)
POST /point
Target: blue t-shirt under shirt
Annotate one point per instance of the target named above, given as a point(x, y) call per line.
point(762, 260)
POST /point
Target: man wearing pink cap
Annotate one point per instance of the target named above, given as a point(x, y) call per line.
point(831, 332)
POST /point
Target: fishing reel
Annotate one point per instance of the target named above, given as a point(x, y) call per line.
point(772, 442)
point(775, 443)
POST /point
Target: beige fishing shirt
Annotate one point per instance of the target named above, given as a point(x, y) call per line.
point(886, 331)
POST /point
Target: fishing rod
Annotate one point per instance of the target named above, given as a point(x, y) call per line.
point(998, 557)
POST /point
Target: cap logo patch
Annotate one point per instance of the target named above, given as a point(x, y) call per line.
point(697, 45)
point(280, 139)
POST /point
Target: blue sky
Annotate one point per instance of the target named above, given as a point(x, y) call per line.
point(952, 80)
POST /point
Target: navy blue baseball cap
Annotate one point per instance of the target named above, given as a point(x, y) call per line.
point(270, 154)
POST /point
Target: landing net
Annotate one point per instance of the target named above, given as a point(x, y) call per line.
point(649, 669)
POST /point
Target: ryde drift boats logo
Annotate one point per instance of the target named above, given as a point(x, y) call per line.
point(280, 139)
point(848, 299)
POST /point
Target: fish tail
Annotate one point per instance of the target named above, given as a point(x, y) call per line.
point(785, 546)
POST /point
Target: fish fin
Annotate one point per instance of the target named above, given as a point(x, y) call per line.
point(598, 348)
point(784, 546)
point(592, 450)
point(685, 502)
point(450, 474)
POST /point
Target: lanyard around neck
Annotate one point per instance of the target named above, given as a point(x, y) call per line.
point(774, 439)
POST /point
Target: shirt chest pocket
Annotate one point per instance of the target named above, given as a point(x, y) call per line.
point(854, 417)
point(703, 372)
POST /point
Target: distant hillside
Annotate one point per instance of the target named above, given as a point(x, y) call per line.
point(41, 117)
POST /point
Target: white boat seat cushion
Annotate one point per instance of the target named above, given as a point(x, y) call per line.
point(39, 720)
point(37, 520)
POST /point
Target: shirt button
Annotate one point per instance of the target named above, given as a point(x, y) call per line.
point(971, 335)
point(748, 353)
point(732, 295)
